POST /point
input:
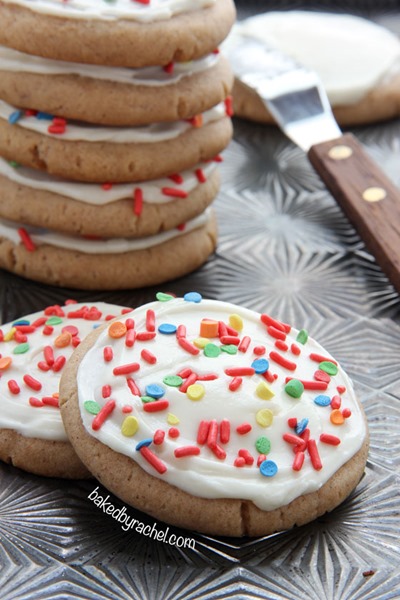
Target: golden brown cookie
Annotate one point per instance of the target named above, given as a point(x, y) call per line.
point(218, 419)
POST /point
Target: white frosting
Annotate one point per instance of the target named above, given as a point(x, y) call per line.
point(205, 475)
point(351, 55)
point(77, 130)
point(92, 193)
point(41, 236)
point(19, 62)
point(117, 9)
point(16, 412)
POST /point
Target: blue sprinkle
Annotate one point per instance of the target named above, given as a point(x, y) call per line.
point(322, 400)
point(44, 116)
point(268, 468)
point(144, 443)
point(301, 426)
point(154, 390)
point(193, 297)
point(21, 322)
point(260, 365)
point(15, 116)
point(167, 328)
point(96, 325)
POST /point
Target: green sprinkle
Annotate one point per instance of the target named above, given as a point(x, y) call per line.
point(212, 351)
point(329, 367)
point(294, 388)
point(263, 445)
point(92, 407)
point(161, 297)
point(229, 348)
point(14, 164)
point(54, 321)
point(302, 336)
point(21, 348)
point(173, 380)
point(146, 399)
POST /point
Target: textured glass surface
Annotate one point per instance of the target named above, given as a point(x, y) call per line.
point(287, 249)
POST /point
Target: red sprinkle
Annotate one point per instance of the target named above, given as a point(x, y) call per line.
point(224, 431)
point(43, 366)
point(148, 356)
point(174, 192)
point(336, 402)
point(311, 385)
point(320, 358)
point(201, 178)
point(282, 361)
point(239, 462)
point(269, 321)
point(218, 451)
point(47, 330)
point(48, 355)
point(26, 239)
point(292, 422)
point(212, 434)
point(126, 369)
point(202, 432)
point(276, 333)
point(153, 460)
point(239, 371)
point(296, 440)
point(298, 461)
point(243, 428)
point(259, 350)
point(173, 432)
point(230, 339)
point(246, 455)
point(35, 402)
point(235, 384)
point(281, 345)
point(150, 320)
point(187, 451)
point(106, 391)
point(104, 413)
point(158, 437)
point(327, 438)
point(137, 202)
point(295, 349)
point(229, 106)
point(188, 346)
point(169, 68)
point(314, 455)
point(346, 412)
point(145, 336)
point(130, 323)
point(108, 353)
point(261, 459)
point(190, 380)
point(244, 344)
point(322, 376)
point(222, 329)
point(33, 383)
point(268, 376)
point(130, 338)
point(13, 386)
point(59, 363)
point(155, 406)
point(127, 409)
point(185, 373)
point(50, 401)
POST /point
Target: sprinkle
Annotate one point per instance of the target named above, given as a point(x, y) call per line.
point(295, 350)
point(239, 371)
point(54, 320)
point(224, 431)
point(235, 384)
point(244, 344)
point(259, 350)
point(130, 338)
point(156, 406)
point(127, 409)
point(167, 328)
point(202, 432)
point(260, 459)
point(336, 417)
point(186, 451)
point(161, 297)
point(301, 426)
point(196, 121)
point(264, 392)
point(265, 417)
point(106, 391)
point(268, 376)
point(295, 440)
point(193, 297)
point(129, 426)
point(208, 328)
point(281, 346)
point(276, 333)
point(35, 402)
point(319, 358)
point(268, 468)
point(298, 461)
point(302, 337)
point(243, 428)
point(341, 389)
point(43, 366)
point(195, 392)
point(130, 324)
point(244, 453)
point(267, 320)
point(148, 356)
point(50, 401)
point(336, 402)
point(133, 387)
point(322, 376)
point(229, 349)
point(228, 106)
point(13, 387)
point(327, 438)
point(126, 369)
point(117, 329)
point(33, 383)
point(169, 68)
point(70, 329)
point(322, 400)
point(158, 437)
point(200, 175)
point(104, 413)
point(5, 362)
point(212, 433)
point(173, 380)
point(172, 419)
point(207, 377)
point(174, 192)
point(239, 461)
point(185, 373)
point(173, 432)
point(63, 340)
point(292, 422)
point(346, 412)
point(186, 345)
point(181, 331)
point(201, 342)
point(311, 385)
point(153, 460)
point(212, 351)
point(329, 367)
point(230, 339)
point(26, 239)
point(218, 451)
point(137, 201)
point(143, 443)
point(263, 445)
point(314, 455)
point(190, 380)
point(154, 390)
point(150, 320)
point(260, 365)
point(282, 361)
point(15, 116)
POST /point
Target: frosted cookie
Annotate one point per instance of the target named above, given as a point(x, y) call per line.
point(363, 80)
point(132, 33)
point(84, 152)
point(217, 418)
point(33, 353)
point(100, 264)
point(111, 95)
point(108, 210)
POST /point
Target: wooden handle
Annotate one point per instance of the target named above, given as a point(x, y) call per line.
point(368, 198)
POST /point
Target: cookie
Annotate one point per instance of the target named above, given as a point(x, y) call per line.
point(34, 350)
point(123, 210)
point(117, 263)
point(218, 419)
point(110, 95)
point(122, 33)
point(362, 82)
point(82, 152)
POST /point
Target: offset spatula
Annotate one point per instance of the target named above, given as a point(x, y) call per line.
point(296, 99)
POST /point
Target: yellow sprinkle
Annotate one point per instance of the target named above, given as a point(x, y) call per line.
point(264, 392)
point(129, 426)
point(10, 334)
point(201, 342)
point(264, 417)
point(236, 322)
point(172, 419)
point(195, 391)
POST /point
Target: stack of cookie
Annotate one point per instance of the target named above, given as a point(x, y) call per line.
point(112, 118)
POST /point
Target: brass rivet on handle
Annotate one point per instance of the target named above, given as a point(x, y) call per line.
point(374, 194)
point(340, 152)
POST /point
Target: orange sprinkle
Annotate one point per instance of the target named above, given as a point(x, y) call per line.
point(63, 340)
point(5, 362)
point(336, 417)
point(208, 328)
point(117, 329)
